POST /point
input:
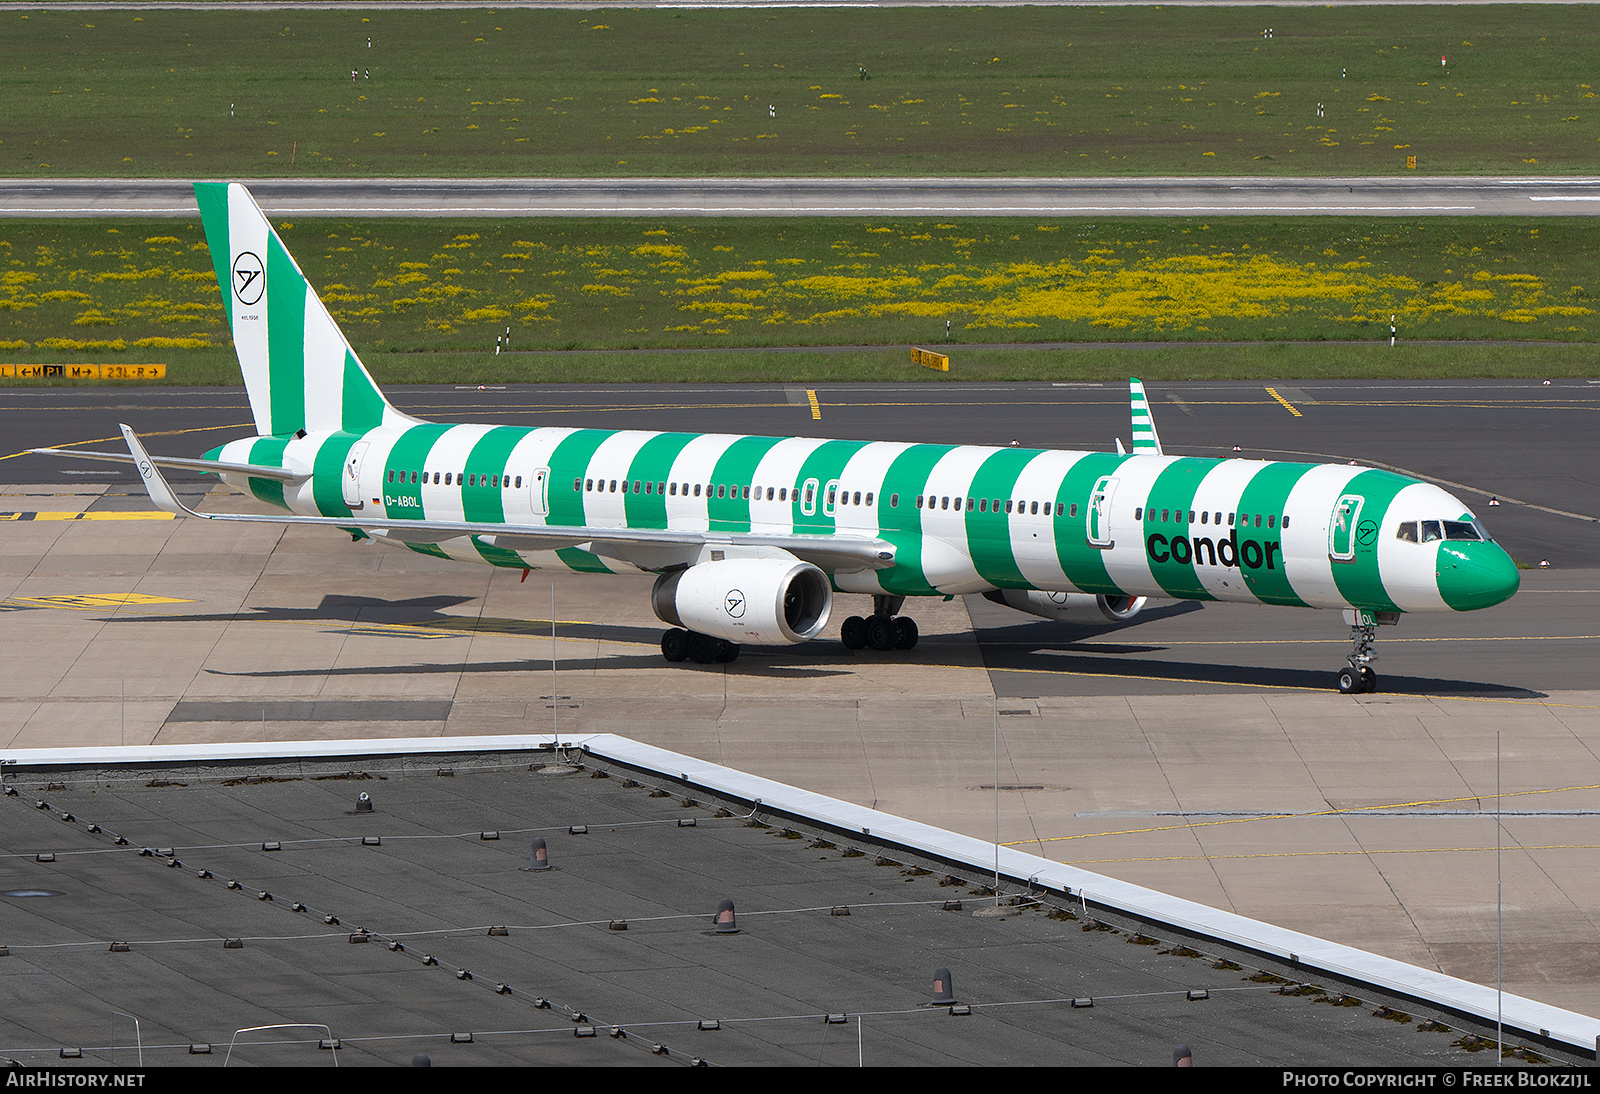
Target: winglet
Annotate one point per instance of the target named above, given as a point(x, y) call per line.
point(155, 483)
point(1145, 440)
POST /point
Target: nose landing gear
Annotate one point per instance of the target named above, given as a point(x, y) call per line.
point(1358, 678)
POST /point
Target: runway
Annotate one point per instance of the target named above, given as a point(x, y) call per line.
point(1389, 197)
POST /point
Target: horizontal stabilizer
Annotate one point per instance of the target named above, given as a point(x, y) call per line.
point(255, 471)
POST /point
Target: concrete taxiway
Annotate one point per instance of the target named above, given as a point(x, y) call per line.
point(1200, 753)
point(723, 197)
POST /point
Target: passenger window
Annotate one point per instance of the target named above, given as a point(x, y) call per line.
point(1285, 520)
point(957, 505)
point(1138, 514)
point(1270, 519)
point(391, 476)
point(858, 498)
point(944, 502)
point(1074, 511)
point(746, 493)
point(869, 499)
point(436, 478)
point(1047, 509)
point(1033, 510)
point(783, 493)
point(919, 501)
point(894, 501)
point(1258, 520)
point(983, 505)
point(697, 490)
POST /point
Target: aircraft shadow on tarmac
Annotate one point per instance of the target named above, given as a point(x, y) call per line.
point(1044, 647)
point(1052, 649)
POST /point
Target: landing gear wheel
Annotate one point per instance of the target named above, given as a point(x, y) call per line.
point(1369, 680)
point(1349, 681)
point(675, 644)
point(853, 633)
point(702, 648)
point(727, 652)
point(905, 633)
point(881, 633)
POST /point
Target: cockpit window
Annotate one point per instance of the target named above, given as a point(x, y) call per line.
point(1427, 531)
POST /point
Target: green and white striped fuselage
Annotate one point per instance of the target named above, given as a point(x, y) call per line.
point(960, 519)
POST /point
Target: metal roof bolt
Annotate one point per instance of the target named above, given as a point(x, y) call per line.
point(725, 920)
point(943, 990)
point(1182, 1056)
point(364, 803)
point(539, 855)
point(421, 1059)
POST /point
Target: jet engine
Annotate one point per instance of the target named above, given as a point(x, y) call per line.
point(763, 601)
point(1070, 607)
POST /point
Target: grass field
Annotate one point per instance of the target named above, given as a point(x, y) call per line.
point(147, 288)
point(1022, 91)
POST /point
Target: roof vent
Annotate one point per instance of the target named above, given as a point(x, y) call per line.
point(539, 855)
point(1182, 1056)
point(421, 1059)
point(364, 803)
point(943, 991)
point(725, 920)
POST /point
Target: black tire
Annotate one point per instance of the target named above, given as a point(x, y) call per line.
point(1369, 680)
point(675, 644)
point(905, 633)
point(880, 633)
point(853, 633)
point(1349, 682)
point(727, 652)
point(702, 648)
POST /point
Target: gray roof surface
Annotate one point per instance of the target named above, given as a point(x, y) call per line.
point(435, 887)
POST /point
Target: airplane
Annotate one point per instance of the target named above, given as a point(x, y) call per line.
point(750, 537)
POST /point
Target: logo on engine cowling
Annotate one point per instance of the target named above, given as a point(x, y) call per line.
point(733, 604)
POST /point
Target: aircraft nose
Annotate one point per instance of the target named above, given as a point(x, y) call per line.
point(1476, 575)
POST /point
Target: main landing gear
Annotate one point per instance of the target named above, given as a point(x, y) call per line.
point(1358, 678)
point(882, 630)
point(681, 645)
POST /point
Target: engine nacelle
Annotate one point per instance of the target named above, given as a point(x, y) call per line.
point(762, 601)
point(1070, 607)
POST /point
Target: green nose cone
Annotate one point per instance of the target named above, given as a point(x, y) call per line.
point(1476, 575)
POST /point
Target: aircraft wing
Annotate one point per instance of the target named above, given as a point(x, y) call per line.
point(650, 549)
point(254, 470)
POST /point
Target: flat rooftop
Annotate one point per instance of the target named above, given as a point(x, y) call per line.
point(257, 893)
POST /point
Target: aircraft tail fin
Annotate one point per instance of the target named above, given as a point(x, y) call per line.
point(299, 370)
point(1145, 439)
